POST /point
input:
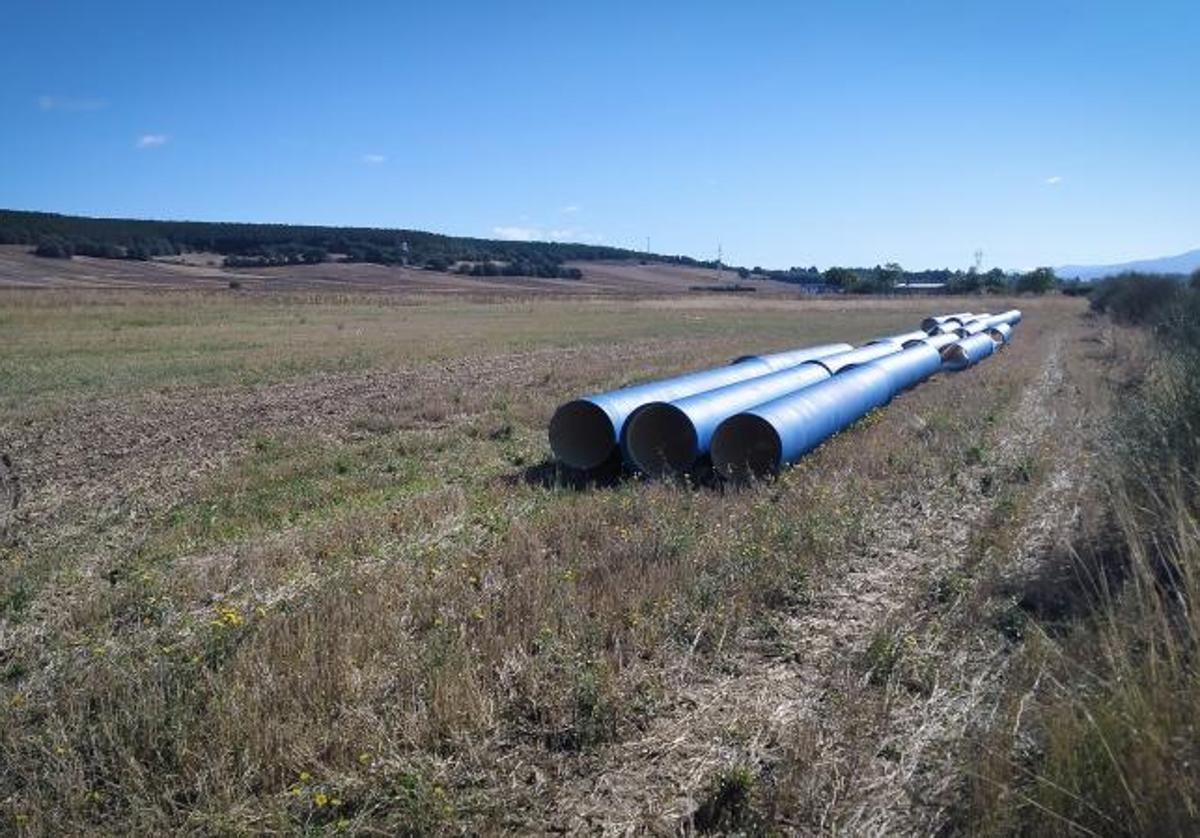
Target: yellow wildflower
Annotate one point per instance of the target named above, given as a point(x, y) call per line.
point(321, 799)
point(305, 776)
point(228, 616)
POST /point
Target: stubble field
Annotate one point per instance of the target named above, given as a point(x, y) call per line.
point(302, 563)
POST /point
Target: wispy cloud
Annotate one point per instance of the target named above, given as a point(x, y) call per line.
point(529, 234)
point(518, 234)
point(374, 159)
point(151, 140)
point(68, 103)
point(570, 209)
point(1056, 179)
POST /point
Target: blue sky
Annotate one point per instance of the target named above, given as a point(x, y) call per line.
point(790, 133)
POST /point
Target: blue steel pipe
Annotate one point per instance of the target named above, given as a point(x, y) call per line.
point(669, 437)
point(1001, 333)
point(936, 341)
point(793, 357)
point(902, 338)
point(951, 327)
point(765, 438)
point(910, 367)
point(974, 327)
point(930, 324)
point(856, 357)
point(585, 432)
point(968, 351)
point(1012, 317)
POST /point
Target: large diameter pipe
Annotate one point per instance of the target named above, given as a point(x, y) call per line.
point(953, 327)
point(910, 367)
point(1001, 333)
point(936, 341)
point(856, 357)
point(903, 338)
point(931, 324)
point(974, 327)
point(794, 357)
point(1011, 317)
point(968, 351)
point(585, 432)
point(765, 438)
point(669, 437)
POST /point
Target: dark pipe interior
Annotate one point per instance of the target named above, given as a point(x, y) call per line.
point(661, 440)
point(746, 446)
point(582, 435)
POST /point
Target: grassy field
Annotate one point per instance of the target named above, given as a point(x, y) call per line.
point(303, 564)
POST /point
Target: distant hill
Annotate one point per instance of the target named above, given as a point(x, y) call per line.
point(1184, 263)
point(266, 245)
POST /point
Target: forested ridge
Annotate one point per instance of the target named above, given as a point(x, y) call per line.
point(246, 245)
point(256, 245)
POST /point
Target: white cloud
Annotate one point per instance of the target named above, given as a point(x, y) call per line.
point(559, 234)
point(151, 140)
point(374, 159)
point(570, 209)
point(1054, 180)
point(66, 103)
point(518, 234)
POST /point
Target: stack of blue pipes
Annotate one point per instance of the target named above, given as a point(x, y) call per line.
point(760, 413)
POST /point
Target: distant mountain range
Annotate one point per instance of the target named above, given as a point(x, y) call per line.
point(1184, 263)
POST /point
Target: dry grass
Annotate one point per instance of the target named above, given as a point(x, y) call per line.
point(1096, 730)
point(301, 565)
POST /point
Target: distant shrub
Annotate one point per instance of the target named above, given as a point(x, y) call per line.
point(1137, 298)
point(235, 284)
point(1037, 281)
point(52, 247)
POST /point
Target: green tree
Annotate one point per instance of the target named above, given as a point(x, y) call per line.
point(889, 276)
point(1037, 281)
point(52, 247)
point(1195, 282)
point(995, 281)
point(842, 278)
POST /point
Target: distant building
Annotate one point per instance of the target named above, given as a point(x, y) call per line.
point(920, 288)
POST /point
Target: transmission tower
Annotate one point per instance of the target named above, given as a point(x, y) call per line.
point(978, 260)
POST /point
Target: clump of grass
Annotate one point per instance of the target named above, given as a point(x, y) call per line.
point(1101, 731)
point(726, 806)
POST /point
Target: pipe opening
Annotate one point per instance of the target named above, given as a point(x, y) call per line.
point(955, 356)
point(661, 440)
point(582, 435)
point(746, 446)
point(996, 335)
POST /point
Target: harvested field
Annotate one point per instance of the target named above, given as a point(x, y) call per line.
point(300, 562)
point(19, 268)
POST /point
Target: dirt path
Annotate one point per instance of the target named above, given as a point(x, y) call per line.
point(865, 773)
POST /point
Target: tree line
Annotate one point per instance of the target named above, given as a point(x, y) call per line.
point(890, 277)
point(264, 245)
point(260, 245)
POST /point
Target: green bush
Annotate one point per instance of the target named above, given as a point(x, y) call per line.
point(1137, 299)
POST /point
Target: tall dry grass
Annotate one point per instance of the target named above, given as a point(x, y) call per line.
point(1102, 730)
